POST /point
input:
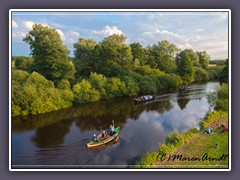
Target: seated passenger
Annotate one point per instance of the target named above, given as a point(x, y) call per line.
point(209, 131)
point(95, 138)
point(103, 134)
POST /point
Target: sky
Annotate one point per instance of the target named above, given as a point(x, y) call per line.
point(196, 30)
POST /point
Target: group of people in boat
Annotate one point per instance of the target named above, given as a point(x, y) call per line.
point(104, 134)
point(146, 98)
point(183, 87)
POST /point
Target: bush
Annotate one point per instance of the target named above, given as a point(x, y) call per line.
point(131, 86)
point(84, 92)
point(167, 81)
point(147, 85)
point(219, 98)
point(23, 62)
point(200, 75)
point(147, 160)
point(147, 70)
point(33, 94)
point(211, 117)
point(214, 72)
point(172, 138)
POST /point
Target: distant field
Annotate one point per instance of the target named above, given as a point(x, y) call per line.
point(212, 65)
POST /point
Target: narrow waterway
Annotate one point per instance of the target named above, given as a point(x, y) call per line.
point(58, 139)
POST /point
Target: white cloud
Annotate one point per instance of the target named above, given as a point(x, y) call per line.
point(76, 34)
point(108, 31)
point(199, 30)
point(14, 24)
point(62, 35)
point(28, 25)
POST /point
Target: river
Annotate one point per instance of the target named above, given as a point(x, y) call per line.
point(58, 139)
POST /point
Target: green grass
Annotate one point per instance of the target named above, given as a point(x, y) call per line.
point(192, 144)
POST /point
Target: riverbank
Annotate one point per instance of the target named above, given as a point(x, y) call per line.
point(194, 148)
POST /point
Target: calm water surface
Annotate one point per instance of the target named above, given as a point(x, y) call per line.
point(58, 139)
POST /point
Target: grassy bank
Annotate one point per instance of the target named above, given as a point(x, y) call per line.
point(194, 148)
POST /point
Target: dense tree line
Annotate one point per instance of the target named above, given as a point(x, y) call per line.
point(50, 79)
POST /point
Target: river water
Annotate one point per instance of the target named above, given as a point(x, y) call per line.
point(58, 139)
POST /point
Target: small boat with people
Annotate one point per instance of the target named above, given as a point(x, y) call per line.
point(183, 88)
point(145, 98)
point(105, 137)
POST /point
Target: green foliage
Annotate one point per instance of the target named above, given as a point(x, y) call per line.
point(214, 72)
point(166, 81)
point(172, 138)
point(204, 59)
point(147, 160)
point(138, 53)
point(218, 62)
point(132, 88)
point(211, 118)
point(219, 98)
point(19, 76)
point(113, 52)
point(99, 82)
point(163, 54)
point(147, 70)
point(115, 87)
point(200, 75)
point(222, 100)
point(224, 74)
point(192, 55)
point(147, 84)
point(84, 92)
point(185, 68)
point(49, 54)
point(64, 85)
point(34, 94)
point(86, 59)
point(23, 62)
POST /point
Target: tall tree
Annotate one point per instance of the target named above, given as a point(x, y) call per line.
point(204, 59)
point(138, 53)
point(193, 56)
point(85, 59)
point(114, 53)
point(164, 54)
point(49, 54)
point(185, 68)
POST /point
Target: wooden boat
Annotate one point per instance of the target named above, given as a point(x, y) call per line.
point(102, 141)
point(183, 88)
point(145, 98)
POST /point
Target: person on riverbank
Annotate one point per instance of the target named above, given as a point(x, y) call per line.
point(223, 129)
point(209, 131)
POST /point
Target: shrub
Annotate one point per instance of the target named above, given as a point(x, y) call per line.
point(200, 75)
point(147, 85)
point(172, 138)
point(84, 92)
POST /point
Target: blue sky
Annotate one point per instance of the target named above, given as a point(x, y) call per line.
point(197, 30)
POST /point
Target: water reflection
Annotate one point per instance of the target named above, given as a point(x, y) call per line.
point(51, 135)
point(59, 138)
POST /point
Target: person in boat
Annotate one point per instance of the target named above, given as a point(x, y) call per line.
point(111, 131)
point(103, 134)
point(95, 139)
